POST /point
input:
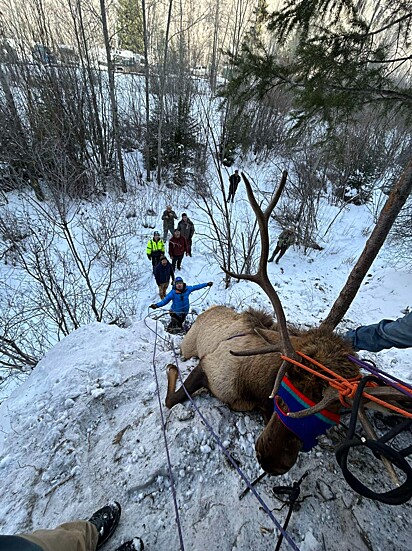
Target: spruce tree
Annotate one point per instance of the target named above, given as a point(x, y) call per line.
point(130, 25)
point(341, 55)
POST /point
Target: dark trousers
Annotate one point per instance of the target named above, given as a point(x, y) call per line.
point(232, 191)
point(177, 260)
point(177, 318)
point(155, 261)
point(279, 249)
point(166, 231)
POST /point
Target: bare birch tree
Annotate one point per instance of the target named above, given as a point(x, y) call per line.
point(113, 99)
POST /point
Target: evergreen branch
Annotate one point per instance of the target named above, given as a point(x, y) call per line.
point(390, 24)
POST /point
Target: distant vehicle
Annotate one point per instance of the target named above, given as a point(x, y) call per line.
point(200, 71)
point(67, 55)
point(126, 61)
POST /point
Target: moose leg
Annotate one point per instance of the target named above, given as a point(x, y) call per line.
point(197, 379)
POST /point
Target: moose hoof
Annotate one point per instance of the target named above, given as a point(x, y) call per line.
point(170, 368)
point(172, 375)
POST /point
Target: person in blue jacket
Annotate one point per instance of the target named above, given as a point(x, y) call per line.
point(382, 335)
point(179, 296)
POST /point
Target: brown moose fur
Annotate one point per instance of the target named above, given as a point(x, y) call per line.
point(222, 323)
point(245, 382)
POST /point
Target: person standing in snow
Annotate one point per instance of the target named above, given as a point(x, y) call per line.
point(163, 273)
point(187, 229)
point(234, 180)
point(383, 335)
point(169, 216)
point(179, 296)
point(285, 240)
point(155, 249)
point(177, 249)
point(81, 535)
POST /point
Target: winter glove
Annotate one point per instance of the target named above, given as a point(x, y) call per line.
point(149, 256)
point(153, 306)
point(210, 283)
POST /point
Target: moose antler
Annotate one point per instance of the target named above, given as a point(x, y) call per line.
point(386, 393)
point(261, 277)
point(272, 348)
point(330, 397)
point(389, 394)
point(258, 351)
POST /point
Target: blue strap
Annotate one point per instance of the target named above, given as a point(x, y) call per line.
point(305, 428)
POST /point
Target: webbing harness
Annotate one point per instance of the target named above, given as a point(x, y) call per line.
point(379, 448)
point(306, 428)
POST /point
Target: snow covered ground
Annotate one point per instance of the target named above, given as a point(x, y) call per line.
point(86, 426)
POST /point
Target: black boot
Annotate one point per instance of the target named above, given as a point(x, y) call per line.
point(270, 259)
point(136, 544)
point(106, 520)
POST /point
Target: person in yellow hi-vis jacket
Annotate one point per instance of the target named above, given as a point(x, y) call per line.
point(155, 249)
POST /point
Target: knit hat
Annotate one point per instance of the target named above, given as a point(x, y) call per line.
point(184, 214)
point(156, 233)
point(178, 279)
point(162, 257)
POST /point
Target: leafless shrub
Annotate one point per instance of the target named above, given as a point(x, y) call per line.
point(72, 266)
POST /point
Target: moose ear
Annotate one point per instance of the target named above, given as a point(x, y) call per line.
point(271, 337)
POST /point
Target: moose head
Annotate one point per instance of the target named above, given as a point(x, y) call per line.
point(248, 362)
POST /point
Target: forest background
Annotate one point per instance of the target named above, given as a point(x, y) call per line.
point(320, 89)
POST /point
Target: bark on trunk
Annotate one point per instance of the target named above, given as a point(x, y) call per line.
point(161, 94)
point(112, 93)
point(147, 97)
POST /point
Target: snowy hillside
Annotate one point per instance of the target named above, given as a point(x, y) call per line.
point(86, 426)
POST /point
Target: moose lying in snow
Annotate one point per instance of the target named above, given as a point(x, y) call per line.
point(241, 362)
point(245, 382)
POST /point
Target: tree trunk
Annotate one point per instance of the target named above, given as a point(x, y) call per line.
point(87, 69)
point(146, 77)
point(214, 64)
point(162, 93)
point(113, 101)
point(20, 135)
point(396, 200)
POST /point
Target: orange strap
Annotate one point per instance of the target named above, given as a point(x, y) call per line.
point(346, 387)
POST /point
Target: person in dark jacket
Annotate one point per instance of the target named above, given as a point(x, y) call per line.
point(169, 216)
point(187, 229)
point(383, 335)
point(81, 535)
point(163, 273)
point(234, 180)
point(177, 249)
point(285, 240)
point(155, 249)
point(179, 296)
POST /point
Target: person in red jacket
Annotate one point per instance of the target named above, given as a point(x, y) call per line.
point(177, 249)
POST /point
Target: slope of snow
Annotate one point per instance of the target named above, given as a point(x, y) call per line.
point(86, 426)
